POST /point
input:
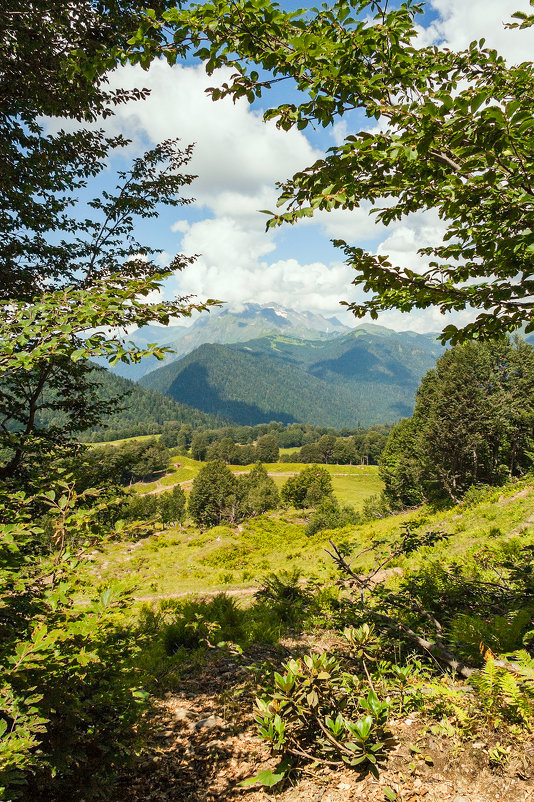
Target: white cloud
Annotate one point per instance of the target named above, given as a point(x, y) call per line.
point(313, 287)
point(234, 268)
point(460, 22)
point(237, 155)
point(239, 158)
point(417, 230)
point(423, 320)
point(181, 226)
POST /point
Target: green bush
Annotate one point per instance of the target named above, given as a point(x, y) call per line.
point(69, 696)
point(259, 491)
point(171, 506)
point(308, 488)
point(315, 714)
point(329, 515)
point(286, 596)
point(216, 496)
point(184, 625)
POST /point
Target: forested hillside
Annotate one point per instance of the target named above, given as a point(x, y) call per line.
point(364, 377)
point(139, 411)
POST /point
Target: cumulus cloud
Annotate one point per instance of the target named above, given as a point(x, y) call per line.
point(233, 265)
point(238, 157)
point(314, 286)
point(459, 23)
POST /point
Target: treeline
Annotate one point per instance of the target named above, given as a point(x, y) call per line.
point(244, 445)
point(124, 464)
point(473, 425)
point(365, 445)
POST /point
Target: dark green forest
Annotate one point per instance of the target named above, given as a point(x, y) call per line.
point(141, 411)
point(361, 378)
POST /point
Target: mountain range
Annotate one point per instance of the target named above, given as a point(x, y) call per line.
point(224, 325)
point(339, 377)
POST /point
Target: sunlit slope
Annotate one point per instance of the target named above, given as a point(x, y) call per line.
point(185, 560)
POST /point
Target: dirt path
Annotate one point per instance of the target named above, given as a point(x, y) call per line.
point(202, 743)
point(206, 594)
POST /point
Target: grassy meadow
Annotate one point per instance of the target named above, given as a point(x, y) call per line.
point(352, 483)
point(182, 559)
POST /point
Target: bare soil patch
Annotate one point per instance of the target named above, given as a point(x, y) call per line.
point(202, 743)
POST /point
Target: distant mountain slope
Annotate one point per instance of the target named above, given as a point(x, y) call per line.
point(226, 326)
point(250, 388)
point(367, 376)
point(143, 410)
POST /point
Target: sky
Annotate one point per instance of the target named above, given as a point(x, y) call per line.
point(239, 158)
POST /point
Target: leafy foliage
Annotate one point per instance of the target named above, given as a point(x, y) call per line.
point(455, 136)
point(472, 424)
point(260, 491)
point(70, 279)
point(315, 715)
point(308, 488)
point(215, 496)
point(128, 462)
point(67, 670)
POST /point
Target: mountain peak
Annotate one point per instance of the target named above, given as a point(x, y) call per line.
point(227, 325)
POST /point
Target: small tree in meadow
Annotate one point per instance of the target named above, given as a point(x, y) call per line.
point(216, 496)
point(171, 506)
point(308, 488)
point(261, 491)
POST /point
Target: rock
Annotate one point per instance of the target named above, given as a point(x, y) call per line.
point(209, 723)
point(182, 714)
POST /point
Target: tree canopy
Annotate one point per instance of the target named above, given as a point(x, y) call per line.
point(472, 425)
point(454, 135)
point(66, 272)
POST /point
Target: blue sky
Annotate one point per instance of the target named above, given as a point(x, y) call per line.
point(239, 158)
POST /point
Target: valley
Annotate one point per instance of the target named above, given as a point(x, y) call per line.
point(253, 546)
point(183, 560)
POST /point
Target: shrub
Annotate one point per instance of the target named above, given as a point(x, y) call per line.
point(69, 695)
point(189, 624)
point(171, 506)
point(315, 715)
point(260, 491)
point(307, 488)
point(329, 515)
point(285, 595)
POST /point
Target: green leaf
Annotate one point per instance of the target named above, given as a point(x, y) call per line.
point(266, 778)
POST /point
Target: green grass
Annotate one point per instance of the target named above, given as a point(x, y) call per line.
point(140, 438)
point(178, 475)
point(182, 560)
point(352, 483)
